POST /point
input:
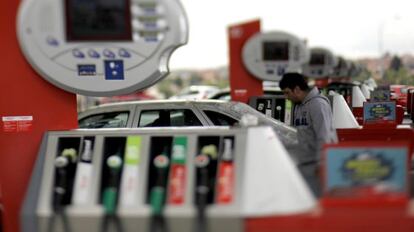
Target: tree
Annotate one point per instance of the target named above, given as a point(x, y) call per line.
point(399, 77)
point(396, 63)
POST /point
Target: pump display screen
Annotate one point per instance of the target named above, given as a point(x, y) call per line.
point(275, 51)
point(102, 20)
point(317, 59)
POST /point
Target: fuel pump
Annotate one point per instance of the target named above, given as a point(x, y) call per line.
point(341, 70)
point(321, 64)
point(128, 51)
point(269, 55)
point(277, 107)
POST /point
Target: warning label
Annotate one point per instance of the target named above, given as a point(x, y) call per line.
point(17, 123)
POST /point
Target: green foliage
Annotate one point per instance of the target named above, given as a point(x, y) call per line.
point(164, 87)
point(363, 75)
point(195, 79)
point(399, 77)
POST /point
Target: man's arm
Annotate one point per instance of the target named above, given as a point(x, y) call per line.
point(321, 122)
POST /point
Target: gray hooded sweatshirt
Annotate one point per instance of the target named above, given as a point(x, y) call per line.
point(313, 120)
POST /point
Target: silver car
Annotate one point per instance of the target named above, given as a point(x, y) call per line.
point(179, 113)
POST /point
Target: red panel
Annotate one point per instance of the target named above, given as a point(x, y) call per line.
point(343, 219)
point(358, 114)
point(322, 83)
point(377, 134)
point(24, 93)
point(243, 85)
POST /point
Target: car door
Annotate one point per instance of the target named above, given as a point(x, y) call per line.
point(168, 114)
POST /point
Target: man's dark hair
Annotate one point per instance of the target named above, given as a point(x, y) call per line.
point(291, 80)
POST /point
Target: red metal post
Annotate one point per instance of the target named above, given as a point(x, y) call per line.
point(29, 106)
point(243, 85)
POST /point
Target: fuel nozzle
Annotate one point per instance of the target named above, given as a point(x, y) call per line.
point(202, 189)
point(157, 195)
point(62, 163)
point(109, 199)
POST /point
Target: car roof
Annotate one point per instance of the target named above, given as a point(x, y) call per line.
point(160, 102)
point(266, 91)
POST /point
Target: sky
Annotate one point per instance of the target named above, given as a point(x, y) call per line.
point(350, 28)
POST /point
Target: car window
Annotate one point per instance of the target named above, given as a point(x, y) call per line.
point(220, 119)
point(224, 98)
point(105, 120)
point(165, 118)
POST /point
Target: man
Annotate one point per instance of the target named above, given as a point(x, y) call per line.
point(312, 118)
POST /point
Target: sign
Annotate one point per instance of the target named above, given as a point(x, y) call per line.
point(17, 123)
point(380, 95)
point(364, 170)
point(242, 83)
point(379, 113)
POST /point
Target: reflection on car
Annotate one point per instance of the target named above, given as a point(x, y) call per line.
point(224, 94)
point(179, 113)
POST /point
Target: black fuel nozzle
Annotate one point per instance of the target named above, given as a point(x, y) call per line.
point(157, 194)
point(202, 189)
point(109, 197)
point(61, 187)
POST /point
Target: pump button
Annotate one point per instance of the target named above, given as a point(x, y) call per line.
point(52, 41)
point(108, 53)
point(124, 53)
point(93, 54)
point(78, 54)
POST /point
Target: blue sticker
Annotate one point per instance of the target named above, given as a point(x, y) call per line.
point(359, 167)
point(375, 112)
point(114, 70)
point(86, 70)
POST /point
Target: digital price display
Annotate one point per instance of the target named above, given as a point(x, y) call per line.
point(98, 20)
point(276, 51)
